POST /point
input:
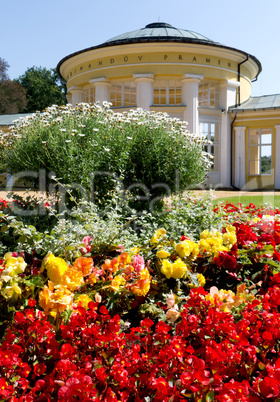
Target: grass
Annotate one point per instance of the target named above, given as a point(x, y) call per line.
point(257, 200)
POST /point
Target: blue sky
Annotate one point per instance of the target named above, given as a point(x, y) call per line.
point(41, 33)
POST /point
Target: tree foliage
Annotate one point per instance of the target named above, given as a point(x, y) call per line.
point(43, 88)
point(12, 94)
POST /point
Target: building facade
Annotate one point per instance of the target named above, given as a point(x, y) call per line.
point(188, 76)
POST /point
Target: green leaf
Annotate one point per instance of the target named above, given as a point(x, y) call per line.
point(4, 228)
point(37, 281)
point(22, 239)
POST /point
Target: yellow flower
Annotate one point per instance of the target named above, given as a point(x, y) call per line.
point(211, 246)
point(163, 254)
point(157, 235)
point(201, 279)
point(13, 291)
point(83, 300)
point(56, 268)
point(166, 268)
point(229, 237)
point(117, 282)
point(187, 248)
point(179, 269)
point(72, 278)
point(213, 234)
point(13, 265)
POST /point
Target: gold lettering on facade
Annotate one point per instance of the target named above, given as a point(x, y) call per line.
point(180, 57)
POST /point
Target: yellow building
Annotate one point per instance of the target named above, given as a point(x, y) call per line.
point(188, 76)
point(207, 84)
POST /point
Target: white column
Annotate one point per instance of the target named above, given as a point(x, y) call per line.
point(102, 89)
point(144, 90)
point(69, 98)
point(239, 170)
point(227, 98)
point(277, 159)
point(190, 84)
point(77, 94)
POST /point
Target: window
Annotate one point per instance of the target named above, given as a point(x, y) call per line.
point(123, 94)
point(260, 152)
point(211, 132)
point(89, 95)
point(167, 92)
point(208, 95)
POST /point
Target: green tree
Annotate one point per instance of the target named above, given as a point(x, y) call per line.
point(43, 88)
point(12, 94)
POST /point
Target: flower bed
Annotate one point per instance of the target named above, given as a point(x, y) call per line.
point(172, 319)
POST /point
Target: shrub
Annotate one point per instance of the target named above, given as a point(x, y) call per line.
point(92, 148)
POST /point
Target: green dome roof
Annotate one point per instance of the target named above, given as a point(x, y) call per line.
point(158, 31)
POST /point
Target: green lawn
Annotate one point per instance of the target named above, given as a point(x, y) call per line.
point(257, 200)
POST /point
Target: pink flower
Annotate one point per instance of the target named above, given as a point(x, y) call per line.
point(173, 313)
point(170, 301)
point(138, 263)
point(86, 240)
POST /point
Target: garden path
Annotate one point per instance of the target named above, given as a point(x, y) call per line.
point(217, 194)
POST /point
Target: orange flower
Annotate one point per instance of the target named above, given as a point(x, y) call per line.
point(55, 299)
point(84, 264)
point(142, 285)
point(72, 278)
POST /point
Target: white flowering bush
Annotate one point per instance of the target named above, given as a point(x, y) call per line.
point(91, 147)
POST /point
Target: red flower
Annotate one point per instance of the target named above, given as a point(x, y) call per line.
point(39, 369)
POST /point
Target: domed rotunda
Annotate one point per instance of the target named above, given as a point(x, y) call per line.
point(193, 78)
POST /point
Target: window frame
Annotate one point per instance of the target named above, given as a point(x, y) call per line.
point(165, 88)
point(119, 102)
point(205, 100)
point(260, 145)
point(214, 144)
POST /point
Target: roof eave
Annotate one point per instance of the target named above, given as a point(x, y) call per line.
point(162, 40)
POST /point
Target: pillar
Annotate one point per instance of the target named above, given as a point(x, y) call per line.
point(227, 98)
point(190, 83)
point(239, 159)
point(77, 94)
point(102, 89)
point(277, 159)
point(144, 90)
